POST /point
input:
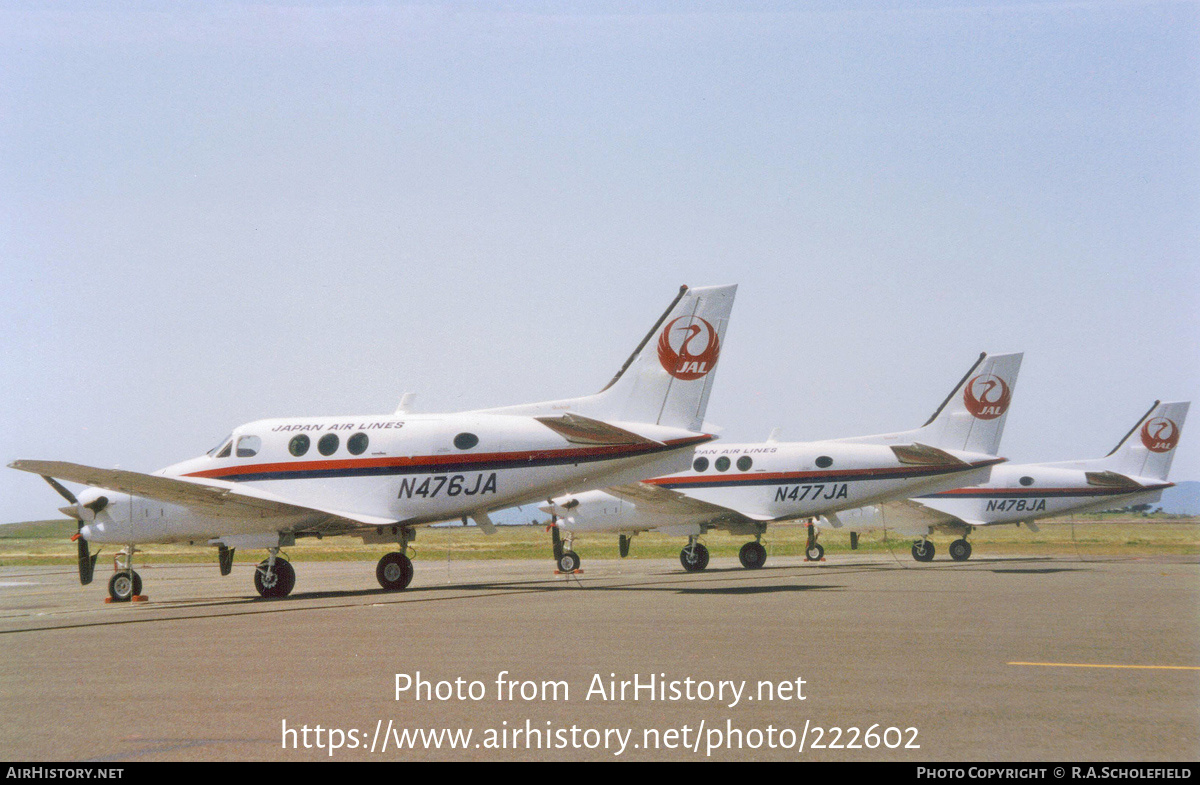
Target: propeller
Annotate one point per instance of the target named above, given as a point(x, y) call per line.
point(87, 562)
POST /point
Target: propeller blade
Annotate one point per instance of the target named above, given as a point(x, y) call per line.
point(62, 491)
point(87, 563)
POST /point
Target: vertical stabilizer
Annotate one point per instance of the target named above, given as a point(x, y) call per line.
point(1147, 450)
point(971, 419)
point(669, 376)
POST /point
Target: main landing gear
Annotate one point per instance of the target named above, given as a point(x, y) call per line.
point(960, 550)
point(923, 550)
point(274, 577)
point(694, 556)
point(125, 584)
point(394, 571)
point(753, 555)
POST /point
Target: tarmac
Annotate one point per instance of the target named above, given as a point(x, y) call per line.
point(855, 658)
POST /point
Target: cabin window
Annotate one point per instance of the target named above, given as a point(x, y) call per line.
point(328, 444)
point(357, 444)
point(248, 446)
point(824, 462)
point(299, 445)
point(744, 463)
point(722, 463)
point(465, 441)
point(700, 464)
point(1026, 481)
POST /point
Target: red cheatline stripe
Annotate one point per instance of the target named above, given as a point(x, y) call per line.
point(433, 461)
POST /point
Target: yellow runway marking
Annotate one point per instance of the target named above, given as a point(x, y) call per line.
point(1090, 665)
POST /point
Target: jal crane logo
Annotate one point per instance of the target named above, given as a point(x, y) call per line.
point(987, 397)
point(1160, 434)
point(688, 347)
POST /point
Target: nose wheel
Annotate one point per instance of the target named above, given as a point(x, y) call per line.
point(923, 550)
point(813, 550)
point(124, 585)
point(568, 562)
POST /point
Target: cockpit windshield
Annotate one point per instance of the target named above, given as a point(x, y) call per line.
point(221, 444)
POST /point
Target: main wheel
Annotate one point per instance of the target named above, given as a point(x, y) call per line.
point(124, 585)
point(752, 555)
point(280, 583)
point(394, 571)
point(568, 562)
point(815, 552)
point(694, 558)
point(923, 550)
point(960, 550)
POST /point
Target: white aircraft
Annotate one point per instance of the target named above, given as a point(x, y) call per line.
point(378, 477)
point(1135, 472)
point(744, 487)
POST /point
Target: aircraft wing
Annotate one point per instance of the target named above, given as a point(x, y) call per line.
point(208, 497)
point(655, 499)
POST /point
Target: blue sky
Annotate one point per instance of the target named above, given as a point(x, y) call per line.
point(211, 213)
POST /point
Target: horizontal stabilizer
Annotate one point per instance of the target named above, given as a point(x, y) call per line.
point(924, 455)
point(578, 429)
point(1108, 479)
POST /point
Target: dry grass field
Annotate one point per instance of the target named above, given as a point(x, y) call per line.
point(1094, 535)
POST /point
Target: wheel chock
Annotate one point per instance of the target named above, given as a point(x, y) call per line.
point(140, 598)
point(569, 572)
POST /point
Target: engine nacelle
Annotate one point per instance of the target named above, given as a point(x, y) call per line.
point(596, 511)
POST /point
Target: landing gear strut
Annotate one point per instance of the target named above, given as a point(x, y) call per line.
point(125, 584)
point(694, 556)
point(274, 577)
point(813, 551)
point(565, 559)
point(960, 550)
point(753, 555)
point(923, 550)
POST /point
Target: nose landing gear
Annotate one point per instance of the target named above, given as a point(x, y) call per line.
point(125, 584)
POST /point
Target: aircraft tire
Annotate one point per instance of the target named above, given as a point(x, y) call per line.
point(923, 550)
point(694, 558)
point(960, 550)
point(816, 552)
point(752, 555)
point(124, 585)
point(285, 579)
point(394, 571)
point(568, 562)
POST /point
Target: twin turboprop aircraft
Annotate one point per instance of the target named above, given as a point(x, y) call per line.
point(1134, 472)
point(379, 477)
point(744, 487)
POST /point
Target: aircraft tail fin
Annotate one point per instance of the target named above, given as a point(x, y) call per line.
point(1147, 450)
point(971, 419)
point(669, 376)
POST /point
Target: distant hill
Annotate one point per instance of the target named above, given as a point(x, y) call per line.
point(1183, 499)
